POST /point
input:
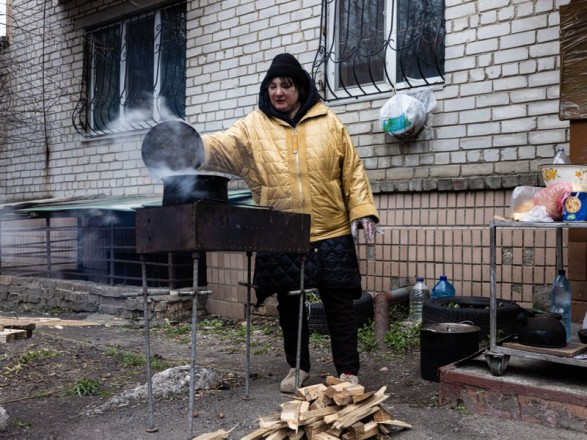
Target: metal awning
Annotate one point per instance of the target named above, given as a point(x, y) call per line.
point(103, 203)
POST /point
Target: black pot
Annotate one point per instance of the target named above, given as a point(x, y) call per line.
point(543, 330)
point(190, 188)
point(444, 343)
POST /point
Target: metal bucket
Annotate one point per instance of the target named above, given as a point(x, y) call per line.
point(444, 343)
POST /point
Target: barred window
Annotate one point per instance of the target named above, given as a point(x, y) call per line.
point(135, 72)
point(373, 46)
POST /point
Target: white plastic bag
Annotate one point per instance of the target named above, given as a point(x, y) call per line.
point(405, 113)
point(536, 214)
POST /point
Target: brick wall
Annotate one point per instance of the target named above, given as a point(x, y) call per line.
point(496, 115)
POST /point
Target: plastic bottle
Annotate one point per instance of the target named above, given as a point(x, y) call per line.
point(419, 294)
point(585, 321)
point(443, 288)
point(560, 156)
point(560, 300)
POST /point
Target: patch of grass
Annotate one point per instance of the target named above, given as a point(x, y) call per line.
point(85, 387)
point(402, 336)
point(27, 357)
point(20, 423)
point(37, 354)
point(211, 324)
point(461, 408)
point(130, 359)
point(181, 329)
point(260, 347)
point(319, 339)
point(367, 339)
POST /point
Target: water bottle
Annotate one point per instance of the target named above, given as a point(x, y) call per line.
point(560, 156)
point(443, 288)
point(560, 300)
point(419, 294)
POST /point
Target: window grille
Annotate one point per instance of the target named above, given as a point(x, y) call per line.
point(375, 46)
point(134, 73)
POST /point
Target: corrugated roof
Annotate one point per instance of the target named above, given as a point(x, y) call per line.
point(101, 202)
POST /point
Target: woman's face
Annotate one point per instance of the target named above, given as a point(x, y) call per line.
point(284, 96)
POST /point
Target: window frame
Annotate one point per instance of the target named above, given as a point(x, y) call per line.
point(388, 84)
point(126, 118)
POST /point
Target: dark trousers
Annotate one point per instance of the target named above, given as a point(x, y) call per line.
point(338, 307)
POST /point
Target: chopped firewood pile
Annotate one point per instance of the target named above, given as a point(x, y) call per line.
point(337, 410)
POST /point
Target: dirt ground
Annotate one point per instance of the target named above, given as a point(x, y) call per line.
point(52, 383)
point(53, 379)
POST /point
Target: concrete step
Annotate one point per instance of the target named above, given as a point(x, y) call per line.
point(534, 391)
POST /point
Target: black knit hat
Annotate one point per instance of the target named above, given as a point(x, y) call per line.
point(285, 65)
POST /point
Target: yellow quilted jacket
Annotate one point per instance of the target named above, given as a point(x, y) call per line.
point(312, 168)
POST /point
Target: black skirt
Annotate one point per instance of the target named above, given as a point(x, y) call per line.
point(329, 263)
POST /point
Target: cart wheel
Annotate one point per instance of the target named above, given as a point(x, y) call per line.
point(497, 364)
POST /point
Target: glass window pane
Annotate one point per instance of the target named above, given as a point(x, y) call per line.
point(105, 81)
point(139, 65)
point(361, 42)
point(420, 45)
point(173, 52)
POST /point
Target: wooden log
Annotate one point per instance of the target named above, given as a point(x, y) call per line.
point(370, 429)
point(221, 434)
point(355, 390)
point(321, 402)
point(315, 428)
point(290, 413)
point(311, 392)
point(336, 388)
point(27, 326)
point(8, 335)
point(382, 415)
point(325, 436)
point(342, 399)
point(331, 380)
point(280, 434)
point(397, 423)
point(320, 412)
point(331, 418)
point(272, 421)
point(361, 397)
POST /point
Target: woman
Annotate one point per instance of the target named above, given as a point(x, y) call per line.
point(296, 155)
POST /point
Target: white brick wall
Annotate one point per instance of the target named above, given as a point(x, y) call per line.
point(497, 112)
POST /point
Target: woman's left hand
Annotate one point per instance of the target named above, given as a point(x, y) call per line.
point(368, 225)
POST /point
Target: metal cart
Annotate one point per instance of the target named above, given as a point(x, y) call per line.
point(498, 356)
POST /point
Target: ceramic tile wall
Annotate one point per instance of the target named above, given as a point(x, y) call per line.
point(429, 234)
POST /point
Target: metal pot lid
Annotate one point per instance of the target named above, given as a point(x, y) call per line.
point(172, 147)
point(450, 328)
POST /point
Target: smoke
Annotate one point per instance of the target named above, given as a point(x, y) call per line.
point(162, 172)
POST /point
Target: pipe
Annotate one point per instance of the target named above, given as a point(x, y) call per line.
point(381, 301)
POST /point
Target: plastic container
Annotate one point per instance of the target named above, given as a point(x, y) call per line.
point(560, 300)
point(561, 157)
point(419, 294)
point(443, 288)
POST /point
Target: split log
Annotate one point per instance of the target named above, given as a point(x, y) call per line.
point(322, 419)
point(221, 434)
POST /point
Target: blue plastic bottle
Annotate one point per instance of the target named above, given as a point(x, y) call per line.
point(560, 300)
point(443, 288)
